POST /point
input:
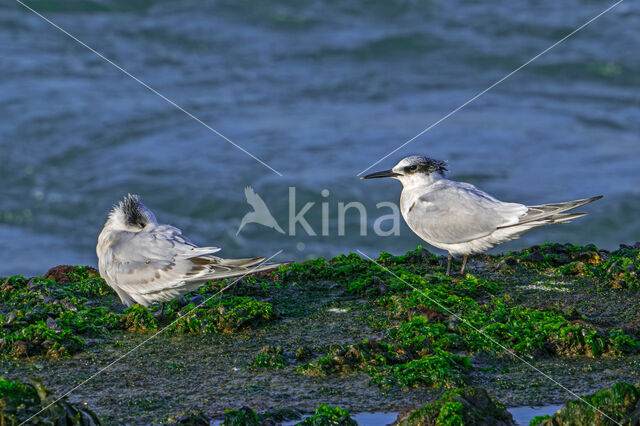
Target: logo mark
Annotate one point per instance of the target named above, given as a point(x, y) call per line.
point(260, 214)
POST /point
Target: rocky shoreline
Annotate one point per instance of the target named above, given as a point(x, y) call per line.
point(394, 335)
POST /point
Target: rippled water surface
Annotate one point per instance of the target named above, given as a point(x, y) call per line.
point(319, 91)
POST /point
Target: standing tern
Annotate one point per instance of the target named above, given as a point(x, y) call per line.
point(145, 262)
point(460, 218)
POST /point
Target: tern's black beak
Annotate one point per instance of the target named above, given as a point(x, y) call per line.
point(382, 174)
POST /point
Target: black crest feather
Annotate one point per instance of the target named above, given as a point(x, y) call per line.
point(131, 207)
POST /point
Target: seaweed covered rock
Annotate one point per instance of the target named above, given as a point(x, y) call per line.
point(270, 357)
point(192, 418)
point(138, 318)
point(245, 416)
point(359, 356)
point(20, 402)
point(467, 406)
point(47, 317)
point(54, 315)
point(391, 365)
point(67, 273)
point(224, 314)
point(619, 404)
point(326, 415)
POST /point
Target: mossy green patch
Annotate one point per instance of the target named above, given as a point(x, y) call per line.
point(138, 318)
point(42, 316)
point(224, 314)
point(440, 369)
point(538, 419)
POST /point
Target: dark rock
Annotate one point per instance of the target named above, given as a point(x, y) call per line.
point(511, 261)
point(191, 419)
point(70, 306)
point(11, 317)
point(379, 286)
point(590, 257)
point(303, 353)
point(33, 284)
point(197, 299)
point(536, 257)
point(52, 324)
point(560, 259)
point(24, 402)
point(453, 321)
point(431, 313)
point(20, 349)
point(48, 344)
point(617, 284)
point(576, 268)
point(59, 273)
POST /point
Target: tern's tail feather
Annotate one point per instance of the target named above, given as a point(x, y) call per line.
point(227, 268)
point(545, 214)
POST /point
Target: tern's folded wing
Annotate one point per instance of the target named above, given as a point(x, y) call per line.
point(155, 260)
point(453, 212)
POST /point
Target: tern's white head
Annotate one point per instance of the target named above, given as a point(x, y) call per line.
point(414, 170)
point(130, 215)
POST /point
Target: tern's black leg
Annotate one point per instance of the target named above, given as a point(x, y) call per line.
point(464, 263)
point(449, 264)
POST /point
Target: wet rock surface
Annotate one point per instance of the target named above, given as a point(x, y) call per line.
point(390, 336)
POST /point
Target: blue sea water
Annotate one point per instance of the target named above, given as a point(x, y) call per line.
point(319, 90)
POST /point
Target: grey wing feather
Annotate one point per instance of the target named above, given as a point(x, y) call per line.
point(162, 260)
point(555, 211)
point(454, 212)
point(154, 260)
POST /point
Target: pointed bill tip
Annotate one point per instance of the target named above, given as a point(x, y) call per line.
point(382, 174)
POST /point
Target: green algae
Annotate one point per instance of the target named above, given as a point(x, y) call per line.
point(617, 269)
point(138, 318)
point(440, 317)
point(224, 314)
point(43, 317)
point(418, 331)
point(538, 419)
point(440, 369)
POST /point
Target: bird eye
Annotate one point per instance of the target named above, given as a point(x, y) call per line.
point(141, 225)
point(411, 168)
